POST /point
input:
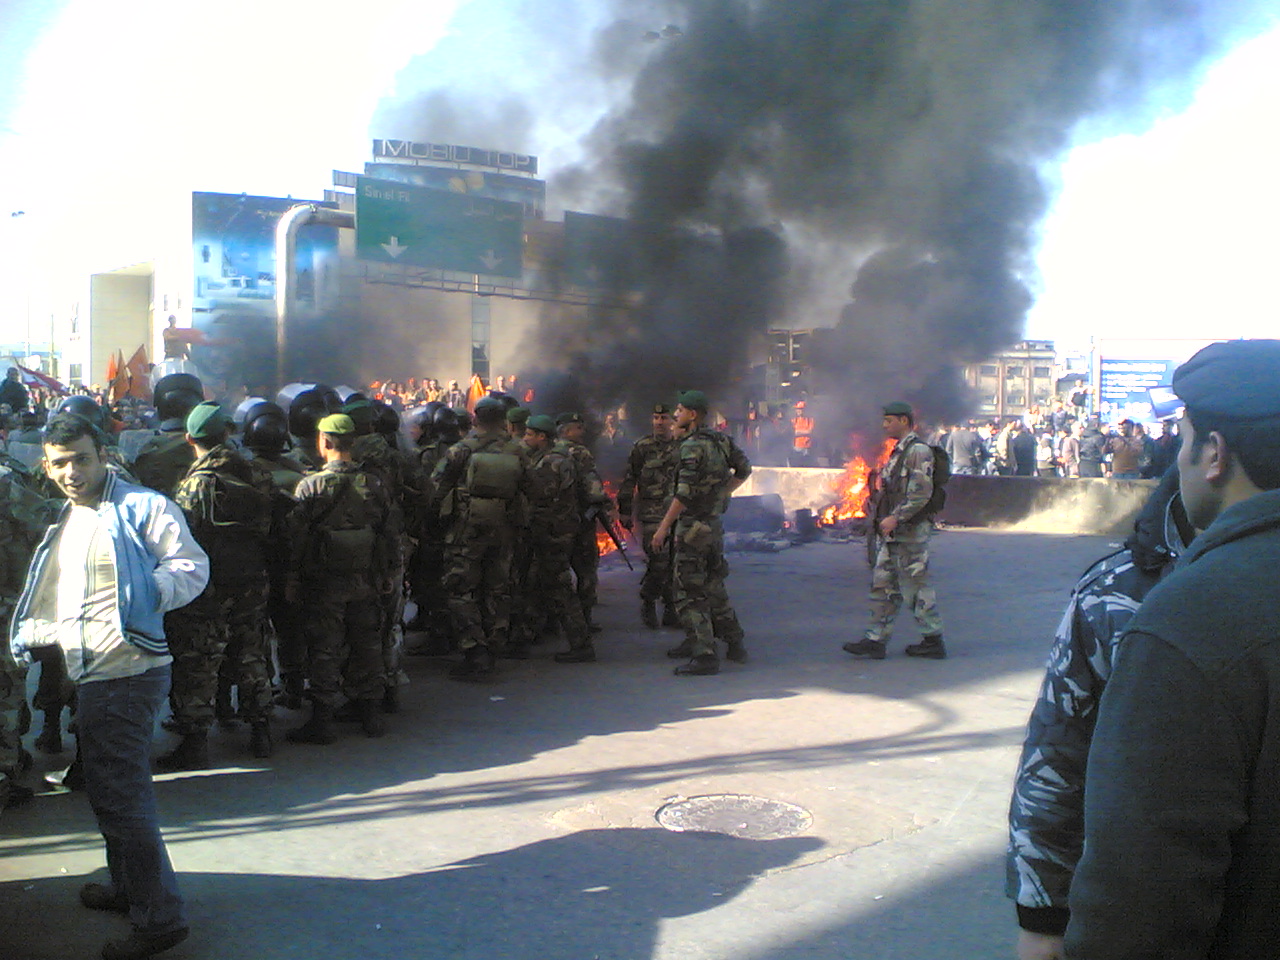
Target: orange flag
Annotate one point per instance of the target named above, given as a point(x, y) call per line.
point(139, 380)
point(475, 391)
point(112, 368)
point(119, 383)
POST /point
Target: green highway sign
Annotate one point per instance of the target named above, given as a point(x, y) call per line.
point(403, 223)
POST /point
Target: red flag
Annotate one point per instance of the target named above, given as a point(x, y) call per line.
point(120, 382)
point(475, 391)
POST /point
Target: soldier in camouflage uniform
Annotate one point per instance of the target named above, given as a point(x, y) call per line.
point(374, 452)
point(25, 513)
point(711, 467)
point(483, 480)
point(585, 558)
point(164, 460)
point(227, 502)
point(555, 510)
point(902, 562)
point(646, 490)
point(438, 434)
point(1046, 816)
point(344, 534)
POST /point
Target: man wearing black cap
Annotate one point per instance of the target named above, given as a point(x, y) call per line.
point(1182, 798)
point(165, 459)
point(902, 563)
point(646, 490)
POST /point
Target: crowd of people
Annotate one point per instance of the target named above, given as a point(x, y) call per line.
point(242, 562)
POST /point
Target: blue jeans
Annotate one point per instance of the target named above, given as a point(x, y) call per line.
point(116, 722)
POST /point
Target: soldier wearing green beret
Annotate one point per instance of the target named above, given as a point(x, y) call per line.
point(711, 467)
point(485, 479)
point(901, 571)
point(517, 418)
point(227, 502)
point(554, 515)
point(585, 557)
point(343, 537)
point(644, 495)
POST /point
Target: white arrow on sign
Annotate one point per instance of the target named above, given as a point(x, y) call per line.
point(489, 260)
point(393, 248)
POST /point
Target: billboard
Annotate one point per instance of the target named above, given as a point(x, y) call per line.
point(530, 194)
point(1125, 389)
point(232, 339)
point(602, 253)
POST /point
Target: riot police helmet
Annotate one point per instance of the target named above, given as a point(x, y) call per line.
point(447, 425)
point(306, 405)
point(264, 427)
point(386, 420)
point(86, 407)
point(176, 395)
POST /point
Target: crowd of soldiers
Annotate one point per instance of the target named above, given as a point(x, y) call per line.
point(323, 515)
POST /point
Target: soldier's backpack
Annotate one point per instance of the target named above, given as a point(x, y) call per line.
point(348, 542)
point(941, 477)
point(238, 526)
point(163, 461)
point(492, 482)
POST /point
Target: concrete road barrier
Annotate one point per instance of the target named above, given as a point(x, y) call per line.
point(1029, 504)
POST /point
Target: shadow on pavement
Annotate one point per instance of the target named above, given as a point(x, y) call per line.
point(592, 894)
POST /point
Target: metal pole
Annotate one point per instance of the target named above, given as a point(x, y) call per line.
point(294, 219)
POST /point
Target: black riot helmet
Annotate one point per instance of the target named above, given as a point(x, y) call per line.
point(507, 400)
point(419, 423)
point(83, 406)
point(307, 404)
point(264, 427)
point(385, 420)
point(447, 426)
point(176, 395)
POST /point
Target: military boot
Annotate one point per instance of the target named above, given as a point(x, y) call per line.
point(50, 739)
point(585, 654)
point(477, 663)
point(866, 647)
point(290, 696)
point(371, 721)
point(192, 753)
point(737, 651)
point(260, 743)
point(317, 730)
point(223, 711)
point(703, 665)
point(649, 614)
point(669, 616)
point(391, 699)
point(682, 650)
point(930, 648)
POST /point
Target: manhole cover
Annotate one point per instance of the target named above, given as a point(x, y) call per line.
point(735, 815)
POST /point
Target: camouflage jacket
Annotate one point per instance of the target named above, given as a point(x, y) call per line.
point(650, 478)
point(709, 462)
point(1046, 816)
point(345, 530)
point(163, 461)
point(591, 488)
point(905, 486)
point(26, 510)
point(451, 498)
point(401, 474)
point(555, 512)
point(227, 501)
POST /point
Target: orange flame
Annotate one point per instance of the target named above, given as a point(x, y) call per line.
point(853, 488)
point(604, 544)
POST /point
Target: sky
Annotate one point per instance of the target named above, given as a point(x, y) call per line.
point(1169, 232)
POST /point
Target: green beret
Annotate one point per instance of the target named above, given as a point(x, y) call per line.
point(1236, 380)
point(336, 424)
point(693, 400)
point(207, 420)
point(662, 408)
point(518, 415)
point(898, 409)
point(361, 413)
point(543, 424)
point(564, 418)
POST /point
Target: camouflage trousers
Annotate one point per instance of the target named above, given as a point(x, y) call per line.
point(656, 583)
point(344, 644)
point(392, 632)
point(521, 565)
point(286, 625)
point(585, 561)
point(902, 574)
point(549, 596)
point(702, 602)
point(15, 718)
point(477, 579)
point(225, 623)
point(426, 582)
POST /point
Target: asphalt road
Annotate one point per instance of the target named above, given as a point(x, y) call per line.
point(516, 818)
